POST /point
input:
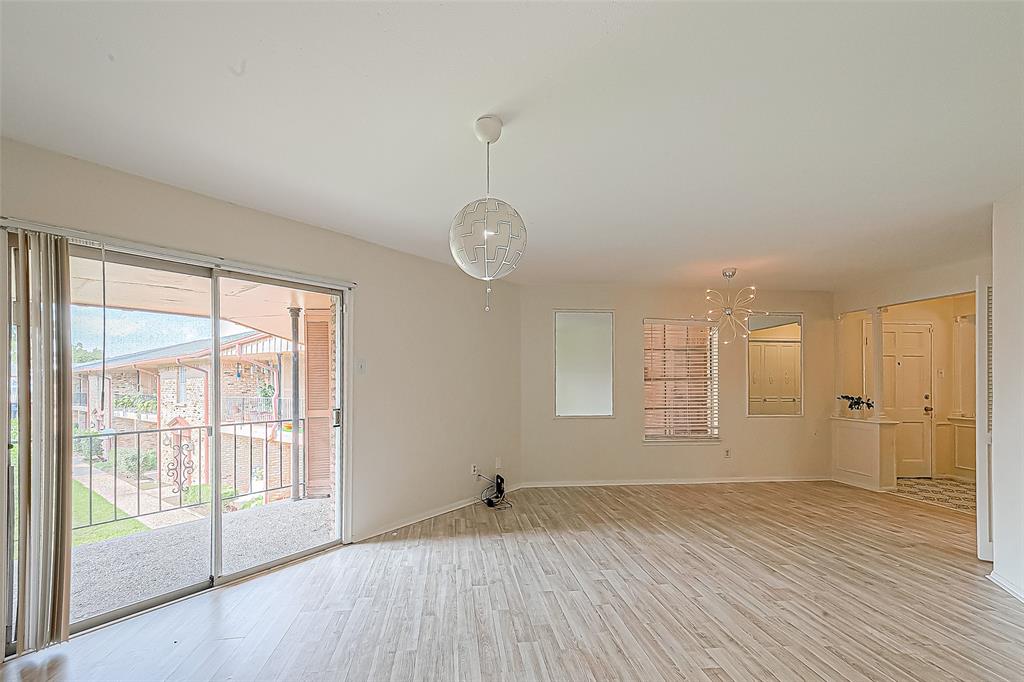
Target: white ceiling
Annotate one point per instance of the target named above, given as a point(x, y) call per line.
point(811, 145)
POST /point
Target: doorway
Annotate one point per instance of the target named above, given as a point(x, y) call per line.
point(929, 374)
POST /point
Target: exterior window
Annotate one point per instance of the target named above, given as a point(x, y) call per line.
point(583, 363)
point(680, 381)
point(182, 384)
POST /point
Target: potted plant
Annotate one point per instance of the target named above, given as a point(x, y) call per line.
point(857, 404)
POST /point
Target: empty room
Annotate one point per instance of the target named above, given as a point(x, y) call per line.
point(512, 341)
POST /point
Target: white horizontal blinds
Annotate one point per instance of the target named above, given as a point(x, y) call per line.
point(680, 380)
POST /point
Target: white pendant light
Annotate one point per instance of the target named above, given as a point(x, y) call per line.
point(729, 315)
point(487, 237)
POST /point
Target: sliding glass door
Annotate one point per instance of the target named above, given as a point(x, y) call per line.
point(202, 450)
point(280, 421)
point(142, 456)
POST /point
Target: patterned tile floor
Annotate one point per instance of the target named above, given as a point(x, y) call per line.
point(944, 492)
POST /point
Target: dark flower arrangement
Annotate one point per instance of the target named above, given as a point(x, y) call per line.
point(855, 402)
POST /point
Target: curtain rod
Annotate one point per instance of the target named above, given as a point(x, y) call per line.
point(142, 249)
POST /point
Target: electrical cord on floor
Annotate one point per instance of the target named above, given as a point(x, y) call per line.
point(488, 495)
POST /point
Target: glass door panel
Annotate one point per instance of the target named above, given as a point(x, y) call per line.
point(279, 447)
point(141, 421)
point(8, 594)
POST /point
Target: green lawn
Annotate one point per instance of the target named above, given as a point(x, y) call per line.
point(102, 510)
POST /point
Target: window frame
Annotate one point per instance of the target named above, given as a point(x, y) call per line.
point(554, 362)
point(715, 385)
point(181, 389)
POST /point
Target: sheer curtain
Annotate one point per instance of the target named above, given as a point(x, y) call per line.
point(42, 312)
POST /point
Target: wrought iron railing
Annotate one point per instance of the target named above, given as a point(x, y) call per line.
point(239, 408)
point(153, 471)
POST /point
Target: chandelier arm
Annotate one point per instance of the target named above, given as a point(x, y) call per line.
point(743, 299)
point(716, 297)
point(731, 327)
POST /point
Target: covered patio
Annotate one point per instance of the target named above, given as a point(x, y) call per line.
point(112, 573)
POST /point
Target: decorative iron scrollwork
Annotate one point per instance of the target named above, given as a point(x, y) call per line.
point(181, 466)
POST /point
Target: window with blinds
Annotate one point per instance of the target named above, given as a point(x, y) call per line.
point(680, 381)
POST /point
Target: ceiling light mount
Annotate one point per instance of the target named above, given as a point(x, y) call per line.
point(488, 129)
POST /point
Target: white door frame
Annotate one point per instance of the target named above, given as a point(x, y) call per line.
point(342, 507)
point(983, 434)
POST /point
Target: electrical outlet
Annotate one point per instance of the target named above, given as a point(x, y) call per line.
point(728, 453)
point(474, 470)
point(497, 462)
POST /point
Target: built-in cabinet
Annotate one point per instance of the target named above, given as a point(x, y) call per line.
point(774, 377)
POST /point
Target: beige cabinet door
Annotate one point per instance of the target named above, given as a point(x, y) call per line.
point(789, 378)
point(755, 378)
point(773, 374)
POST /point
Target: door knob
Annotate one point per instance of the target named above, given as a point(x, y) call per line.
point(928, 408)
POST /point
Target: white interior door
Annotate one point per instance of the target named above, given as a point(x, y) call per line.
point(983, 419)
point(907, 393)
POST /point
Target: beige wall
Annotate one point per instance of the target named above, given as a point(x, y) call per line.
point(914, 285)
point(441, 391)
point(787, 332)
point(611, 449)
point(1008, 392)
point(850, 378)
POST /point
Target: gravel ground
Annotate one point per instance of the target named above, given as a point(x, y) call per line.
point(121, 571)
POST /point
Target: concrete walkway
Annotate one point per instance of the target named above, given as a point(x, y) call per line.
point(121, 571)
point(133, 501)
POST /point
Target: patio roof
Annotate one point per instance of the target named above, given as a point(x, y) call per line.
point(178, 350)
point(251, 304)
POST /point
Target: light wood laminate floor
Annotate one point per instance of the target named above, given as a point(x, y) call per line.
point(704, 582)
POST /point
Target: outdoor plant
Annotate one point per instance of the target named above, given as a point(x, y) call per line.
point(136, 402)
point(857, 403)
point(265, 389)
point(128, 464)
point(80, 446)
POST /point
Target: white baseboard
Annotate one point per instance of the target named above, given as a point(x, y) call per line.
point(408, 521)
point(1006, 585)
point(670, 481)
point(416, 518)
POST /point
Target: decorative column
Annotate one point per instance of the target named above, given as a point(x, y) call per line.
point(837, 365)
point(877, 361)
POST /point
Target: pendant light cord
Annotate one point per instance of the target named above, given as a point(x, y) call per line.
point(487, 293)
